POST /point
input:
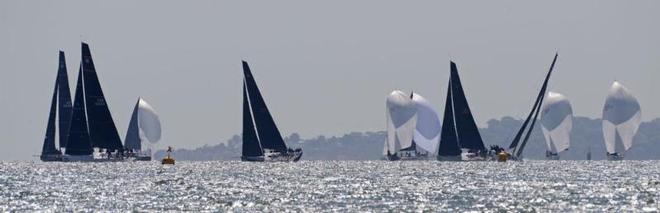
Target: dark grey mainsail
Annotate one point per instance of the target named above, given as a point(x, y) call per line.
point(102, 128)
point(268, 134)
point(132, 141)
point(78, 140)
point(518, 144)
point(48, 147)
point(466, 128)
point(251, 147)
point(448, 139)
point(64, 100)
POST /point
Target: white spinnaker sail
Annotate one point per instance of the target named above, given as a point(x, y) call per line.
point(557, 122)
point(622, 116)
point(148, 121)
point(401, 120)
point(427, 130)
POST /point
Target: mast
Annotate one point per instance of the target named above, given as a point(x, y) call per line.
point(251, 146)
point(269, 135)
point(466, 127)
point(78, 141)
point(64, 100)
point(101, 127)
point(49, 141)
point(133, 141)
point(518, 148)
point(448, 139)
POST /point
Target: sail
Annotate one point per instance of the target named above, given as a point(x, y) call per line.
point(622, 116)
point(49, 141)
point(133, 141)
point(448, 139)
point(557, 122)
point(466, 128)
point(148, 121)
point(517, 144)
point(402, 115)
point(78, 141)
point(267, 132)
point(251, 147)
point(64, 100)
point(427, 130)
point(101, 126)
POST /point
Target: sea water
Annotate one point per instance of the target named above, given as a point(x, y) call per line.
point(323, 186)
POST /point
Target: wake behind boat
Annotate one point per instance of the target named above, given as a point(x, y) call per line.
point(262, 140)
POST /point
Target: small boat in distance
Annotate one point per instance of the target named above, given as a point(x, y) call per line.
point(144, 124)
point(401, 114)
point(262, 140)
point(622, 116)
point(60, 107)
point(518, 144)
point(460, 138)
point(556, 123)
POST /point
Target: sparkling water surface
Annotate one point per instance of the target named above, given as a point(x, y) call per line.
point(311, 186)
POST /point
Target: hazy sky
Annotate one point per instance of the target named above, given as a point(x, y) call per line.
point(323, 67)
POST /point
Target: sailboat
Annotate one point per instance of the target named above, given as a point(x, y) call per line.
point(91, 122)
point(61, 107)
point(518, 144)
point(460, 138)
point(401, 114)
point(622, 116)
point(556, 123)
point(144, 124)
point(262, 140)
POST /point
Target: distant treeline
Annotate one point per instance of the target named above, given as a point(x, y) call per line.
point(587, 134)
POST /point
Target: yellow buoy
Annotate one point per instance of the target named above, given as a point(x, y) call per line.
point(502, 156)
point(168, 160)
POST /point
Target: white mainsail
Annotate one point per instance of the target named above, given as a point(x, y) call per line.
point(427, 130)
point(148, 121)
point(557, 122)
point(401, 120)
point(622, 116)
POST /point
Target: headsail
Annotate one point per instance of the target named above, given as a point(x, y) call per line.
point(133, 141)
point(102, 128)
point(622, 116)
point(449, 145)
point(251, 146)
point(64, 100)
point(557, 122)
point(402, 117)
point(49, 141)
point(267, 132)
point(427, 130)
point(466, 128)
point(78, 141)
point(518, 143)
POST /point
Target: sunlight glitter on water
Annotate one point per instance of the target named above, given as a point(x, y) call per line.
point(332, 186)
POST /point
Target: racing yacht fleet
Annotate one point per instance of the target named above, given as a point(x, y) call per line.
point(85, 130)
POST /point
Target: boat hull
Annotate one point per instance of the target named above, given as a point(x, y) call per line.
point(91, 158)
point(449, 158)
point(614, 157)
point(291, 156)
point(51, 158)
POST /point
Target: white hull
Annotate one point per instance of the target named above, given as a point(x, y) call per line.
point(90, 158)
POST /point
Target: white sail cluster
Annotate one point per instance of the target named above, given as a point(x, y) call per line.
point(427, 131)
point(401, 121)
point(148, 121)
point(410, 119)
point(557, 122)
point(622, 116)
